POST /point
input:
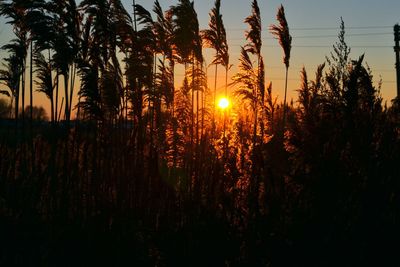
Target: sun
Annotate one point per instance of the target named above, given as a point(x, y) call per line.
point(223, 103)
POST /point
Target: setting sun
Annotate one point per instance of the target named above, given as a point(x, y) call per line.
point(223, 103)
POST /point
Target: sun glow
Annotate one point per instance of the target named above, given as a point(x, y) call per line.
point(223, 103)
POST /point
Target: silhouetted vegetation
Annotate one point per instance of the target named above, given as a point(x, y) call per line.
point(151, 174)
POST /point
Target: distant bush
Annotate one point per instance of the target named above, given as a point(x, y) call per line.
point(38, 113)
point(4, 109)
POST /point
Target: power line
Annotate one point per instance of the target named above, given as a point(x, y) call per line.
point(323, 46)
point(323, 28)
point(350, 34)
point(325, 36)
point(337, 28)
point(301, 67)
point(352, 46)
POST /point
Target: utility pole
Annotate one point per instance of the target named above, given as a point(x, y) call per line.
point(397, 51)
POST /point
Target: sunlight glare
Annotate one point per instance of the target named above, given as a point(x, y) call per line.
point(223, 103)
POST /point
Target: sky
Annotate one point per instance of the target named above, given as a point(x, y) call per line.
point(314, 25)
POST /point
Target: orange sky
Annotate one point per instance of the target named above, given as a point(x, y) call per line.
point(368, 30)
